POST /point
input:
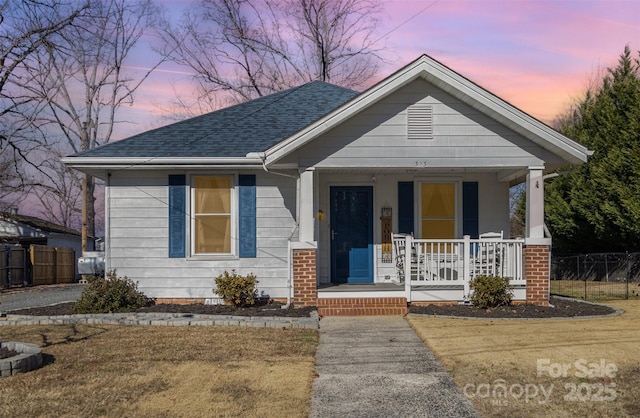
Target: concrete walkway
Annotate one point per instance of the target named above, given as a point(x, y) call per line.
point(379, 367)
point(37, 296)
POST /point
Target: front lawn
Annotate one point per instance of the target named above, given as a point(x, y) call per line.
point(542, 368)
point(116, 371)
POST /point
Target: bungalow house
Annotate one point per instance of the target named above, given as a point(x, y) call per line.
point(359, 203)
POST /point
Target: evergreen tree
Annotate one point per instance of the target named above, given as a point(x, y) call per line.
point(596, 208)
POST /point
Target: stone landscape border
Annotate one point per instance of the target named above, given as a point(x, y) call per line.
point(29, 358)
point(311, 322)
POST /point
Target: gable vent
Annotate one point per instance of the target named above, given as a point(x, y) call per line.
point(420, 122)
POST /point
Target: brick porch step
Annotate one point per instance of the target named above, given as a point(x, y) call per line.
point(362, 306)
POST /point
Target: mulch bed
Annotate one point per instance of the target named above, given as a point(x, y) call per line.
point(260, 309)
point(561, 308)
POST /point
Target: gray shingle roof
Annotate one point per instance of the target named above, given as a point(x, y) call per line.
point(37, 223)
point(253, 126)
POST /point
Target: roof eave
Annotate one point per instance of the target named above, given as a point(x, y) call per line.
point(136, 162)
point(99, 167)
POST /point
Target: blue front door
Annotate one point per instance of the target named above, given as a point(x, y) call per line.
point(351, 234)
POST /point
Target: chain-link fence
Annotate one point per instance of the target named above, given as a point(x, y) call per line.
point(596, 276)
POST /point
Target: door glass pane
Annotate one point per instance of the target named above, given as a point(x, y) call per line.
point(438, 210)
point(438, 200)
point(438, 229)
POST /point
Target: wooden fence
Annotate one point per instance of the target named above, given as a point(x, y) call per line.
point(13, 266)
point(44, 265)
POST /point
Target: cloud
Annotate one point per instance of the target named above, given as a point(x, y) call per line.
point(537, 55)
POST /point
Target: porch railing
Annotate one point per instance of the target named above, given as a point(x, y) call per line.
point(456, 262)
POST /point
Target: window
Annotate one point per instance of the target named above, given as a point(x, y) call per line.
point(212, 218)
point(438, 210)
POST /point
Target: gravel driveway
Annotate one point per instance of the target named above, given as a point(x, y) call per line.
point(33, 297)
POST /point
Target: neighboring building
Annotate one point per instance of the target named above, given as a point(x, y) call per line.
point(23, 230)
point(305, 187)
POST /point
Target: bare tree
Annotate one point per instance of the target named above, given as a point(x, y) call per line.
point(80, 82)
point(25, 26)
point(60, 198)
point(250, 48)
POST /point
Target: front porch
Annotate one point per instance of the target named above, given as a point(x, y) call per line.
point(355, 261)
point(439, 272)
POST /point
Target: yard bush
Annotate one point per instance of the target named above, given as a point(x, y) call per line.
point(490, 291)
point(236, 289)
point(110, 294)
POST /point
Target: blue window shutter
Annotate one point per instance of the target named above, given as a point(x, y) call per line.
point(247, 215)
point(405, 207)
point(470, 223)
point(177, 215)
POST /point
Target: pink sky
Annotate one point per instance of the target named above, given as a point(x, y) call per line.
point(538, 55)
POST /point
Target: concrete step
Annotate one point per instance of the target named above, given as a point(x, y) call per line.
point(387, 306)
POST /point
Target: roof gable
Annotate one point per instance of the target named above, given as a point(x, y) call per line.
point(235, 131)
point(459, 137)
point(452, 83)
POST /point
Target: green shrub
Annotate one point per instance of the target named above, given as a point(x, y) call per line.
point(490, 291)
point(236, 289)
point(110, 294)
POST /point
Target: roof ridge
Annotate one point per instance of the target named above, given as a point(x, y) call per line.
point(36, 222)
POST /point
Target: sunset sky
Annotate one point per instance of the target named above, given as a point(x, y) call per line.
point(538, 55)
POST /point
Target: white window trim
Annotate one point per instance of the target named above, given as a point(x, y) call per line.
point(234, 218)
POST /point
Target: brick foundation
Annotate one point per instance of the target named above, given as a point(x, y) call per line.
point(434, 302)
point(304, 277)
point(180, 301)
point(362, 306)
point(536, 271)
point(201, 301)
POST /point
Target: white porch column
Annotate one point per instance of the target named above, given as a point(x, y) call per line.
point(534, 227)
point(307, 207)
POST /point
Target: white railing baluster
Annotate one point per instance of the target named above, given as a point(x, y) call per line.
point(431, 262)
point(407, 267)
point(466, 267)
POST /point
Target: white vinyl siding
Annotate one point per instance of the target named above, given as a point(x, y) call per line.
point(137, 238)
point(462, 137)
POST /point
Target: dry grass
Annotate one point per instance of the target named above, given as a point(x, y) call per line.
point(595, 290)
point(480, 352)
point(116, 371)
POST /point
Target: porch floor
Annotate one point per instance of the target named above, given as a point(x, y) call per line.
point(381, 298)
point(382, 287)
point(360, 287)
